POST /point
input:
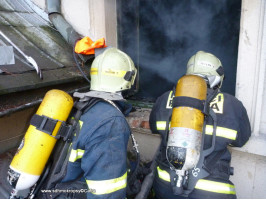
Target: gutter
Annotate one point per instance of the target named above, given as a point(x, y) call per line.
point(36, 102)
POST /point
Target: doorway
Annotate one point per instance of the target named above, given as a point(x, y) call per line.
point(161, 35)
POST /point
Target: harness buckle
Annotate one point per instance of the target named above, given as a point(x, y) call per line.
point(47, 125)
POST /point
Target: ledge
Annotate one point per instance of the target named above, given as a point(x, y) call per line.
point(255, 145)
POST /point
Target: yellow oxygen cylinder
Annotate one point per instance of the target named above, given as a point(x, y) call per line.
point(184, 140)
point(36, 146)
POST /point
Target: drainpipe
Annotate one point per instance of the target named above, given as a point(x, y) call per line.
point(64, 28)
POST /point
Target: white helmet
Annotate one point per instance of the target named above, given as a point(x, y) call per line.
point(112, 71)
point(207, 66)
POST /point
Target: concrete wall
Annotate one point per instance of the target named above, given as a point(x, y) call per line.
point(250, 175)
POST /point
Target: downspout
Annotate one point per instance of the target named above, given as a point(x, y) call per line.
point(64, 28)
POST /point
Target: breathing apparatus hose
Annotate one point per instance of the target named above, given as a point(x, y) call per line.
point(148, 181)
point(135, 147)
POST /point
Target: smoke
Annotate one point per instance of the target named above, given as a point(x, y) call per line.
point(161, 35)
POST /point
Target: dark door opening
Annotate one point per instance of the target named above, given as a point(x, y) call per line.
point(161, 35)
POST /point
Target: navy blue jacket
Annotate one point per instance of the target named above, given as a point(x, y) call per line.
point(100, 152)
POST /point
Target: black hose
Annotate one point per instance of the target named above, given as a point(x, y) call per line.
point(148, 181)
point(79, 67)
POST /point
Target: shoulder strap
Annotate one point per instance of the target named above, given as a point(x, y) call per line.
point(200, 170)
point(61, 153)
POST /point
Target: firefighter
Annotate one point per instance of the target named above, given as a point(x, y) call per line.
point(233, 128)
point(99, 154)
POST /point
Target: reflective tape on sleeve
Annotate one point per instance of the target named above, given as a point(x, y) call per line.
point(160, 125)
point(222, 132)
point(80, 123)
point(216, 187)
point(107, 186)
point(163, 174)
point(76, 154)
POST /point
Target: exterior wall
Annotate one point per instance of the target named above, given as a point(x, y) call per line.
point(263, 65)
point(249, 177)
point(251, 90)
point(99, 20)
point(250, 86)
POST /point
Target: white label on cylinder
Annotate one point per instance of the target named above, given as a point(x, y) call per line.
point(185, 138)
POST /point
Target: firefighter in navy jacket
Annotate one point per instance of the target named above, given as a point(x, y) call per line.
point(233, 128)
point(100, 151)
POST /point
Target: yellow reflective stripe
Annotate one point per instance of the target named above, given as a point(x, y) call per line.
point(163, 174)
point(222, 132)
point(76, 154)
point(210, 186)
point(94, 71)
point(160, 125)
point(107, 186)
point(217, 187)
point(80, 123)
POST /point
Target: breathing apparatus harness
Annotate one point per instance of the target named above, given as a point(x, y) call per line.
point(200, 170)
point(56, 170)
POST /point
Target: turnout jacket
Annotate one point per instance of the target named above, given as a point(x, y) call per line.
point(99, 154)
point(233, 128)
